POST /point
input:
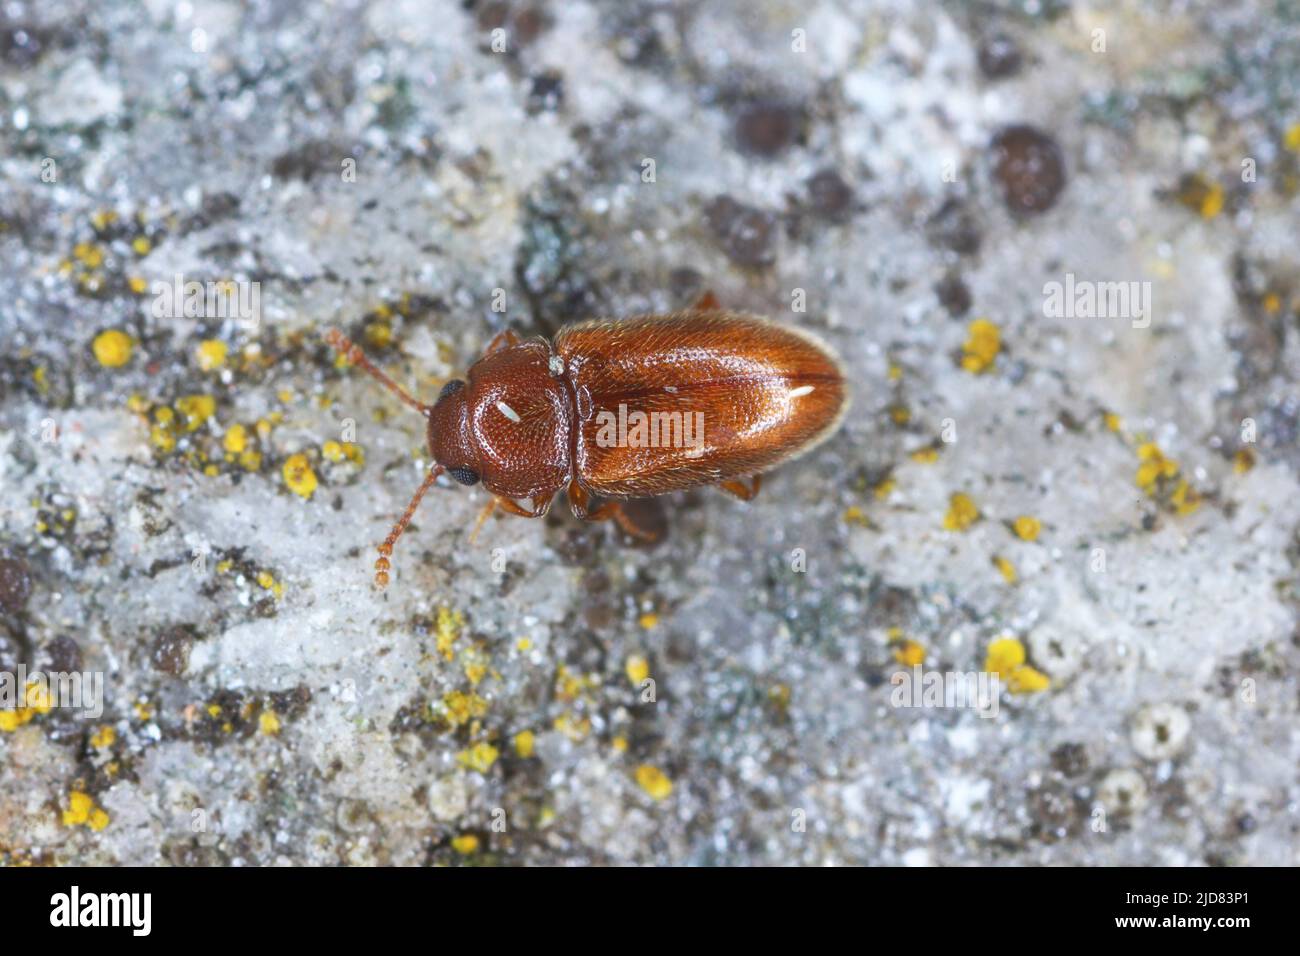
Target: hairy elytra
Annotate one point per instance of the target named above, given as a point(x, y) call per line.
point(713, 397)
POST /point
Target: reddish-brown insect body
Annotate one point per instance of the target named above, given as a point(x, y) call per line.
point(626, 409)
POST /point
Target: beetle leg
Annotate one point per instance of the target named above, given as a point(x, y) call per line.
point(502, 340)
point(580, 501)
point(708, 302)
point(742, 491)
point(483, 515)
point(541, 505)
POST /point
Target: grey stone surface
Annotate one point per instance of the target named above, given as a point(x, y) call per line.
point(263, 704)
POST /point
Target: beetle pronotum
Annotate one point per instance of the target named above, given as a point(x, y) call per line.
point(533, 417)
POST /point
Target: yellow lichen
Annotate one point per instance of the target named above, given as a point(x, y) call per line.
point(82, 811)
point(112, 348)
point(460, 707)
point(235, 439)
point(447, 630)
point(299, 476)
point(36, 701)
point(479, 757)
point(1006, 658)
point(103, 737)
point(101, 219)
point(983, 342)
point(196, 409)
point(962, 512)
point(1154, 466)
point(925, 456)
point(1201, 194)
point(649, 620)
point(1004, 655)
point(1006, 569)
point(1291, 139)
point(855, 515)
point(574, 727)
point(79, 807)
point(1243, 461)
point(1027, 680)
point(1027, 528)
point(909, 653)
point(268, 722)
point(465, 844)
point(524, 742)
point(1185, 498)
point(88, 254)
point(211, 354)
point(637, 668)
point(378, 334)
point(654, 781)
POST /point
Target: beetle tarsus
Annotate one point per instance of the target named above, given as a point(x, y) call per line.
point(745, 492)
point(610, 510)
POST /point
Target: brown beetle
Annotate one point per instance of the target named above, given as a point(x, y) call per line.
point(625, 409)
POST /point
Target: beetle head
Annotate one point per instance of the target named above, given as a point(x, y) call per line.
point(507, 425)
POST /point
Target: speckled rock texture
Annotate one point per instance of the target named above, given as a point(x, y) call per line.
point(1093, 496)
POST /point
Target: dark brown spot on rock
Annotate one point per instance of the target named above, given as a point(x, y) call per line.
point(829, 196)
point(1070, 759)
point(311, 159)
point(955, 227)
point(13, 645)
point(745, 234)
point(15, 584)
point(493, 15)
point(999, 56)
point(766, 128)
point(171, 649)
point(954, 295)
point(1030, 168)
point(1053, 812)
point(528, 25)
point(546, 94)
point(63, 655)
point(576, 545)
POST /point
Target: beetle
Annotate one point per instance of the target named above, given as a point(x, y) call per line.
point(622, 409)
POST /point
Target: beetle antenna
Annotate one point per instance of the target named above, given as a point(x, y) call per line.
point(352, 352)
point(382, 566)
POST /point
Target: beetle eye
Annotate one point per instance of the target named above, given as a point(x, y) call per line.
point(451, 388)
point(466, 476)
